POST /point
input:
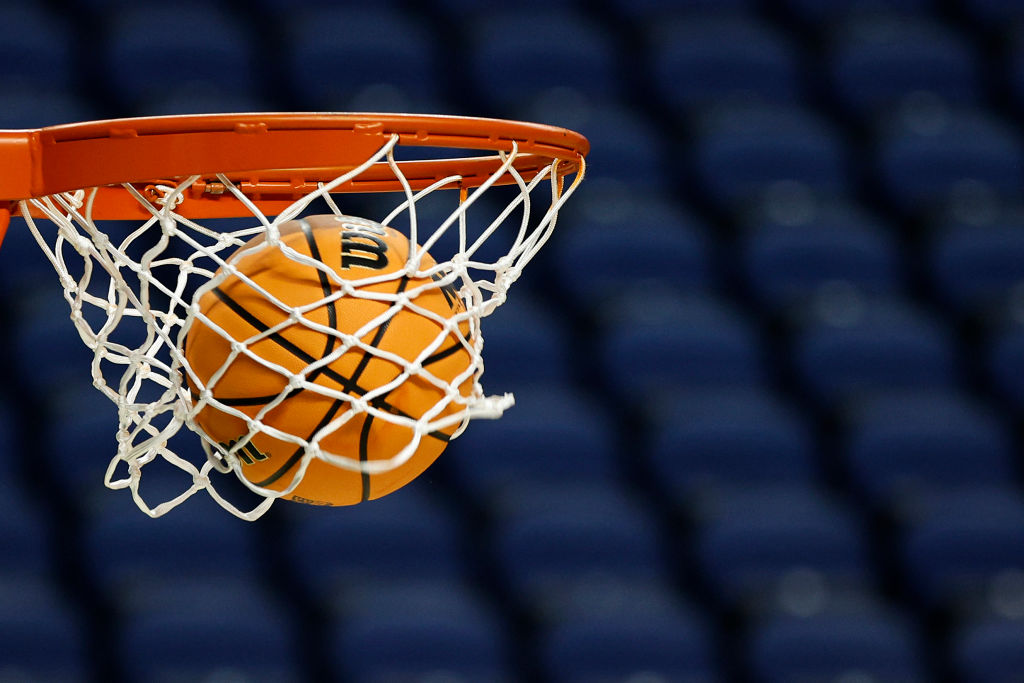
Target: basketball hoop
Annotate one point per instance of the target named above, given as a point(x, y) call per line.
point(135, 292)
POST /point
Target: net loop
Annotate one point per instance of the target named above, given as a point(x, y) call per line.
point(134, 290)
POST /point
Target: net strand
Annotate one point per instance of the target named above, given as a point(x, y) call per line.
point(134, 295)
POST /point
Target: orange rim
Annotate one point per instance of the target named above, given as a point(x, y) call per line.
point(274, 158)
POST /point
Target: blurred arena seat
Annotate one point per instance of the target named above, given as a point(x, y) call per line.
point(743, 149)
point(44, 638)
point(38, 54)
point(883, 647)
point(1004, 351)
point(193, 628)
point(541, 49)
point(988, 650)
point(930, 148)
point(822, 14)
point(553, 434)
point(959, 543)
point(208, 45)
point(878, 60)
point(655, 343)
point(977, 266)
point(527, 346)
point(750, 540)
point(27, 542)
point(707, 439)
point(127, 553)
point(418, 630)
point(630, 646)
point(657, 247)
point(330, 556)
point(905, 444)
point(383, 54)
point(548, 539)
point(789, 253)
point(850, 345)
point(698, 60)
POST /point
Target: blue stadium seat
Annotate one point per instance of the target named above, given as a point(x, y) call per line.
point(879, 60)
point(548, 539)
point(742, 150)
point(24, 535)
point(516, 57)
point(37, 53)
point(995, 14)
point(24, 266)
point(931, 149)
point(114, 7)
point(649, 11)
point(1004, 361)
point(44, 639)
point(882, 647)
point(750, 540)
point(526, 345)
point(10, 453)
point(973, 266)
point(658, 245)
point(656, 344)
point(786, 262)
point(706, 439)
point(51, 355)
point(625, 145)
point(853, 345)
point(337, 55)
point(127, 552)
point(153, 52)
point(958, 543)
point(412, 630)
point(279, 10)
point(989, 650)
point(203, 99)
point(553, 433)
point(82, 438)
point(405, 534)
point(822, 13)
point(1015, 59)
point(701, 60)
point(42, 107)
point(196, 629)
point(905, 444)
point(592, 596)
point(620, 647)
point(458, 9)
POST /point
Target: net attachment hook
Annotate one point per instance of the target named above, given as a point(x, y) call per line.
point(160, 192)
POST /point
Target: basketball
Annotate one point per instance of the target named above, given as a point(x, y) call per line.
point(305, 374)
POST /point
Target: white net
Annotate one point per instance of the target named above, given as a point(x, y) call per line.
point(136, 295)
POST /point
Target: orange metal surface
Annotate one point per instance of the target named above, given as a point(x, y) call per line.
point(247, 147)
point(274, 158)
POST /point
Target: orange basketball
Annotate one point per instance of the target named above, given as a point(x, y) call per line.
point(355, 249)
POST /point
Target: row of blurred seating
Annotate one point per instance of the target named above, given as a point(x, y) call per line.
point(768, 371)
point(582, 565)
point(686, 56)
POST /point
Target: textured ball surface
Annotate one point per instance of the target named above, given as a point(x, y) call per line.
point(279, 346)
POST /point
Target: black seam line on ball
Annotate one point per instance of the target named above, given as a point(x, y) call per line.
point(350, 385)
point(326, 289)
point(364, 433)
point(364, 456)
point(291, 348)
